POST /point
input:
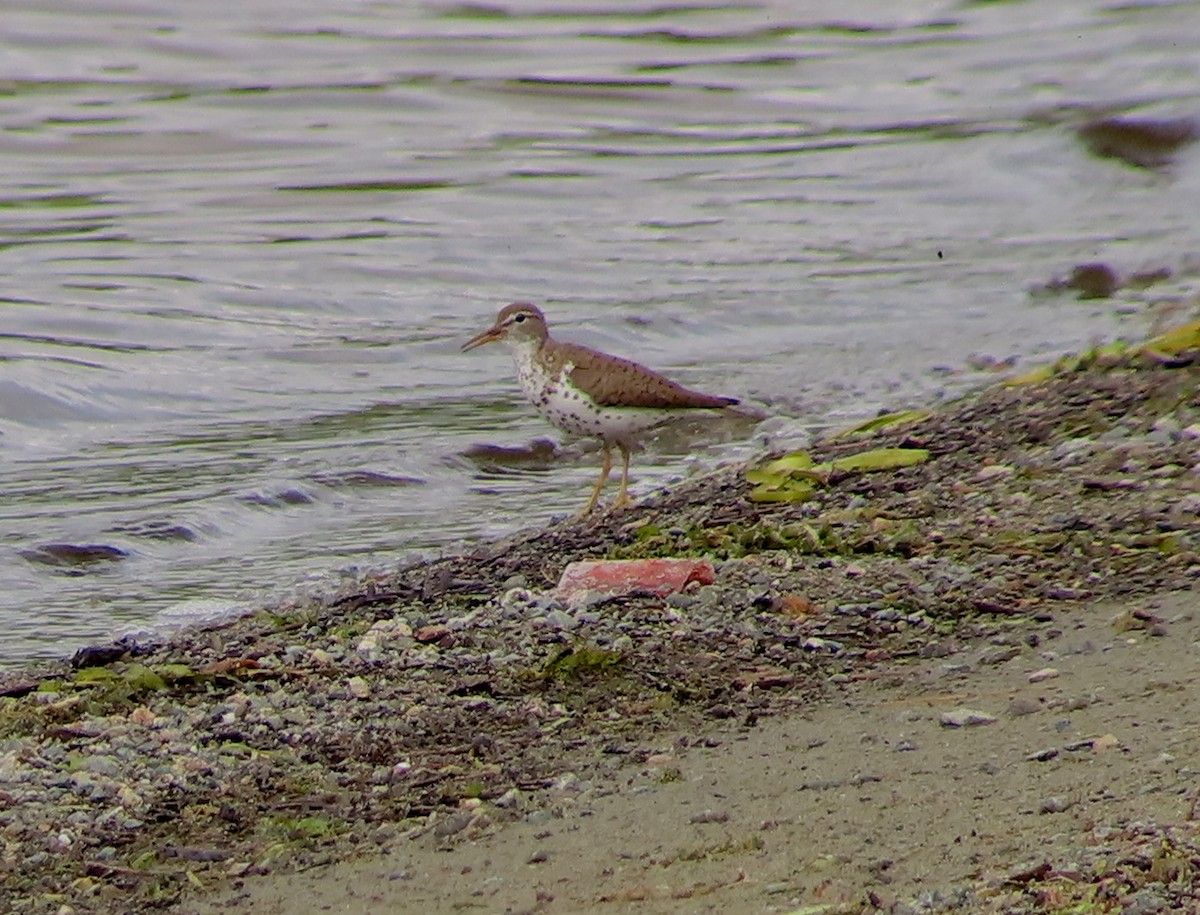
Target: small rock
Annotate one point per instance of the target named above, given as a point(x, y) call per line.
point(1074, 448)
point(1055, 805)
point(710, 816)
point(560, 619)
point(453, 824)
point(516, 597)
point(1046, 673)
point(1043, 755)
point(622, 644)
point(965, 717)
point(1023, 705)
point(432, 633)
point(1094, 281)
point(568, 781)
point(940, 649)
point(511, 798)
point(359, 688)
point(994, 471)
point(1063, 593)
point(818, 644)
point(143, 716)
point(1105, 742)
point(997, 656)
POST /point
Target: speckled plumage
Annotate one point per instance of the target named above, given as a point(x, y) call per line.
point(586, 392)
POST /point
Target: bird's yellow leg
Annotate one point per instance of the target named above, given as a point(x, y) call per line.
point(604, 472)
point(623, 499)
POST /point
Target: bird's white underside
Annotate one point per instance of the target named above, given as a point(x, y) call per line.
point(571, 410)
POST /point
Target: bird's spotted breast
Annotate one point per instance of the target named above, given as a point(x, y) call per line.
point(568, 408)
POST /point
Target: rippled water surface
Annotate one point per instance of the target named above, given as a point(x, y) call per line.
point(241, 244)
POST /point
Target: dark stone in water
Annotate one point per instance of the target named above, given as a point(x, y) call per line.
point(97, 655)
point(157, 530)
point(278, 499)
point(73, 554)
point(1145, 143)
point(539, 451)
point(1094, 281)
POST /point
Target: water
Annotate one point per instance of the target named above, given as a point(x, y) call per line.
point(242, 242)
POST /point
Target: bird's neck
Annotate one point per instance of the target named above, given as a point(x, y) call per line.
point(526, 348)
point(527, 353)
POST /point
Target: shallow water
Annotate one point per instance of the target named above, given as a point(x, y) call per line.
point(242, 243)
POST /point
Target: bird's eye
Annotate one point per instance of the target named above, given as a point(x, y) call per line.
point(519, 318)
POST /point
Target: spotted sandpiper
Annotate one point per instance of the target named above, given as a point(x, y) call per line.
point(587, 392)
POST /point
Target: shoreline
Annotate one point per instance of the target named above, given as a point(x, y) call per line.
point(447, 701)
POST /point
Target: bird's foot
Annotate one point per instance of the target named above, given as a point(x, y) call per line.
point(587, 510)
point(621, 501)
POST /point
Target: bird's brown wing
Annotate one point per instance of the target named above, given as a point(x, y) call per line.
point(612, 381)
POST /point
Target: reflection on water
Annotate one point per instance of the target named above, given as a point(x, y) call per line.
point(242, 243)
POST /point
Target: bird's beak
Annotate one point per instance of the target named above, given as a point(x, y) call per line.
point(491, 335)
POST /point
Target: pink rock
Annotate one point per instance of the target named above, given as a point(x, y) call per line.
point(624, 576)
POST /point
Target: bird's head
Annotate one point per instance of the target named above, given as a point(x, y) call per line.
point(517, 324)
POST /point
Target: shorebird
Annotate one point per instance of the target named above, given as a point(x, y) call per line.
point(587, 392)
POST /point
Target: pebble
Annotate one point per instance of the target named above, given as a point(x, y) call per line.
point(102, 765)
point(1055, 805)
point(997, 656)
point(568, 781)
point(432, 633)
point(1023, 705)
point(512, 798)
point(995, 471)
point(558, 619)
point(453, 824)
point(1046, 673)
point(1074, 450)
point(965, 717)
point(819, 644)
point(709, 816)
